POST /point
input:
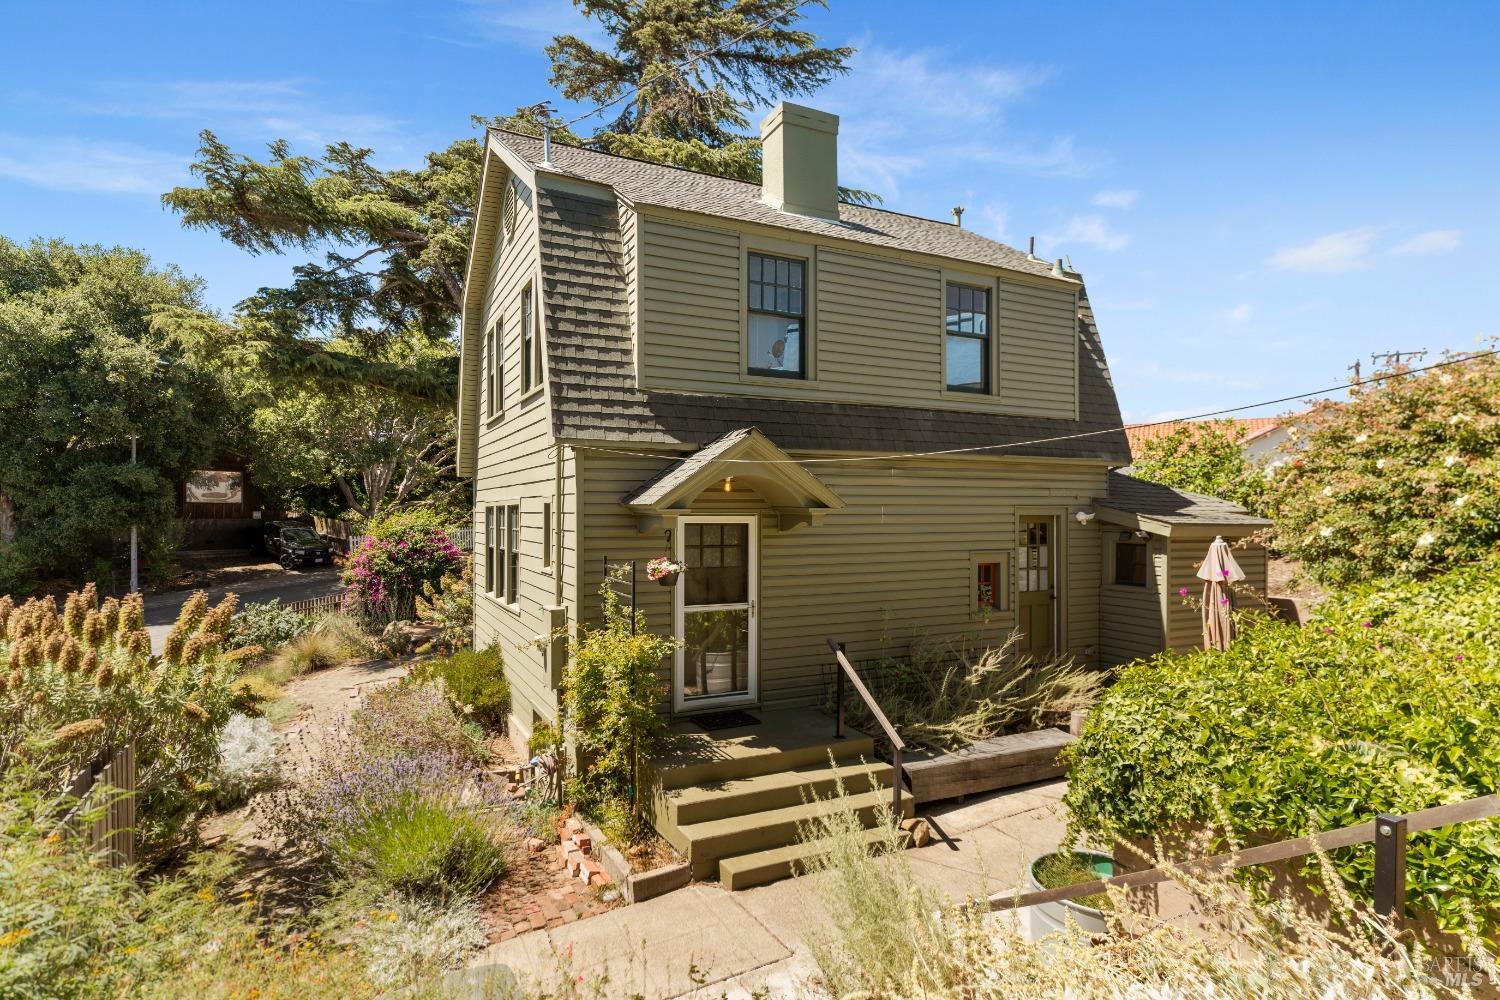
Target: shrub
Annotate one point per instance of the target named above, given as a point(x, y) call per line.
point(475, 679)
point(611, 691)
point(450, 606)
point(81, 680)
point(247, 759)
point(1402, 479)
point(417, 823)
point(1203, 457)
point(347, 632)
point(308, 652)
point(267, 625)
point(946, 696)
point(386, 573)
point(1382, 704)
point(412, 717)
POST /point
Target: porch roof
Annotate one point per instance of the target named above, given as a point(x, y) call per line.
point(1162, 510)
point(749, 458)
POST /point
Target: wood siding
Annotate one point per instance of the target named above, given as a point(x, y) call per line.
point(1130, 618)
point(890, 567)
point(876, 325)
point(516, 466)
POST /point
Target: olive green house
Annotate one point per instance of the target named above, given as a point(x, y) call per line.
point(847, 422)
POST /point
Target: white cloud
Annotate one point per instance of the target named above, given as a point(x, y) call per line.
point(1118, 198)
point(1241, 313)
point(530, 22)
point(1433, 241)
point(1088, 230)
point(1334, 253)
point(995, 219)
point(65, 164)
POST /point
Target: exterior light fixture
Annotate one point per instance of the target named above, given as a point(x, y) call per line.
point(728, 484)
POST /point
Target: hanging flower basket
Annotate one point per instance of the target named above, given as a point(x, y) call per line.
point(665, 570)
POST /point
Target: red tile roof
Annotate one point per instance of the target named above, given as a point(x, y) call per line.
point(1249, 428)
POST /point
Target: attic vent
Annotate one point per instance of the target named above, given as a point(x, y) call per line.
point(508, 213)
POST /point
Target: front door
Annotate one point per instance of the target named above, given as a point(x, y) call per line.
point(714, 613)
point(1036, 587)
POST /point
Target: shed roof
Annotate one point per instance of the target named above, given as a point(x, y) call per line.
point(689, 191)
point(1157, 508)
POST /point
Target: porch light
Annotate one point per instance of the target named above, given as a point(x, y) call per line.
point(728, 484)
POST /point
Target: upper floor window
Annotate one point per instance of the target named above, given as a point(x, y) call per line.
point(967, 339)
point(531, 344)
point(778, 315)
point(494, 379)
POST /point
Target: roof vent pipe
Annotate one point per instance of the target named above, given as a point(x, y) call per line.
point(1057, 270)
point(546, 144)
point(1032, 252)
point(958, 216)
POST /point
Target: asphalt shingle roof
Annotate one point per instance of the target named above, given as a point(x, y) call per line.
point(594, 395)
point(675, 187)
point(1163, 503)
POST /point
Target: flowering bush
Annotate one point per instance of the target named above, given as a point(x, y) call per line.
point(385, 575)
point(1384, 703)
point(663, 566)
point(1401, 479)
point(80, 680)
point(415, 823)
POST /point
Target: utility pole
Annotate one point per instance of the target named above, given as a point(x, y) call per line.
point(134, 550)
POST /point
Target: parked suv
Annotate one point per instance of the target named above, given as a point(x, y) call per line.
point(295, 544)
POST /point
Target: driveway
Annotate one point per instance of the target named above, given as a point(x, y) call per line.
point(285, 585)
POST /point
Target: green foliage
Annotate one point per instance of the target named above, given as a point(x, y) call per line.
point(1384, 703)
point(83, 681)
point(392, 567)
point(86, 366)
point(1064, 868)
point(611, 692)
point(475, 679)
point(450, 606)
point(422, 845)
point(415, 716)
point(267, 625)
point(1203, 457)
point(304, 654)
point(1400, 480)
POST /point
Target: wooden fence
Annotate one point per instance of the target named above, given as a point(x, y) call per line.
point(317, 605)
point(112, 831)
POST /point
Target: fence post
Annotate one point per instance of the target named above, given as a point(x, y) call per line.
point(1390, 870)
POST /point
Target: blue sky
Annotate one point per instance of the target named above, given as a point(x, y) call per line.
point(1257, 194)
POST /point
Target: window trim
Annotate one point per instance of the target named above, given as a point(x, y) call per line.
point(1114, 560)
point(1004, 582)
point(494, 372)
point(489, 551)
point(512, 536)
point(532, 373)
point(987, 339)
point(807, 253)
point(547, 535)
point(800, 317)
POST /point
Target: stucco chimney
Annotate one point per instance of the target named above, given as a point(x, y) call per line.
point(800, 161)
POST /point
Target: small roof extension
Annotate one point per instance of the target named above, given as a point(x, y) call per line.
point(744, 458)
point(1161, 510)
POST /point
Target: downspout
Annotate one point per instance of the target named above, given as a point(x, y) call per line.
point(556, 640)
point(557, 527)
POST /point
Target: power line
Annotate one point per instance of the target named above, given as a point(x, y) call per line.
point(1062, 437)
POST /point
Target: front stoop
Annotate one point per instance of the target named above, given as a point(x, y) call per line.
point(734, 802)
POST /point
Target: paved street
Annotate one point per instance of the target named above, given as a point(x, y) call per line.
point(757, 938)
point(288, 586)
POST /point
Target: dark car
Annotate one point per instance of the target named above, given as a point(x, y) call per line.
point(295, 544)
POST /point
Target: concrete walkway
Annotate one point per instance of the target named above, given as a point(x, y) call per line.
point(703, 941)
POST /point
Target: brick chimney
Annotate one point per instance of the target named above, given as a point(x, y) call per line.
point(800, 161)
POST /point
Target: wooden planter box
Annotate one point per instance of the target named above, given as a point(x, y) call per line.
point(1003, 762)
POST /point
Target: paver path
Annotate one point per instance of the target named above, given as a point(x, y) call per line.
point(703, 941)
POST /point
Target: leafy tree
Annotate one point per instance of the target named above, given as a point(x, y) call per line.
point(1202, 457)
point(86, 366)
point(1400, 480)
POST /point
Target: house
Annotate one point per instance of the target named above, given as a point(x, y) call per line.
point(1260, 438)
point(222, 507)
point(848, 422)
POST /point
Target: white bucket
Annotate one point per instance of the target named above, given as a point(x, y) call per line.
point(1052, 918)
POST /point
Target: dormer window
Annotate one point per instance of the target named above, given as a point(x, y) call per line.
point(777, 289)
point(967, 336)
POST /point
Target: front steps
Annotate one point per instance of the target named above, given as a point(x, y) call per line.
point(734, 802)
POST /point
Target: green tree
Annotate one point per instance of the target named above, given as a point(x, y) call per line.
point(86, 366)
point(1203, 457)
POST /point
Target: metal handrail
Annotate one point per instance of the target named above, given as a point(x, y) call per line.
point(898, 776)
point(1389, 833)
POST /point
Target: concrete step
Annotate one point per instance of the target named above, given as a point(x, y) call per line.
point(705, 843)
point(746, 870)
point(760, 792)
point(727, 760)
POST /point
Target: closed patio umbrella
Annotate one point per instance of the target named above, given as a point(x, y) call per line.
point(1218, 571)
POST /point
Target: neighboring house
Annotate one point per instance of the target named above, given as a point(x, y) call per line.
point(222, 507)
point(848, 422)
point(1260, 438)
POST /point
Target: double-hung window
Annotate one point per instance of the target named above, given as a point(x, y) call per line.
point(531, 344)
point(494, 371)
point(512, 553)
point(502, 552)
point(967, 339)
point(492, 582)
point(777, 308)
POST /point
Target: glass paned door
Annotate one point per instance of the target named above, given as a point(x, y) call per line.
point(715, 607)
point(1036, 586)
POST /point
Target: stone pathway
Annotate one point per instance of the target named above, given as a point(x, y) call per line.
point(705, 942)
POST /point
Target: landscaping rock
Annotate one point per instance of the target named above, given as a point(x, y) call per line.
point(918, 830)
point(536, 845)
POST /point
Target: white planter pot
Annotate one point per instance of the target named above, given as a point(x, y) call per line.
point(1051, 918)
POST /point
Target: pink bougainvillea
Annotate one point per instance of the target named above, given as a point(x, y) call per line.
point(385, 574)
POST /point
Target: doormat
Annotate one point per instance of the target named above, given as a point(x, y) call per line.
point(714, 721)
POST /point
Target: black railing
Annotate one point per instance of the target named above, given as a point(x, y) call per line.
point(846, 669)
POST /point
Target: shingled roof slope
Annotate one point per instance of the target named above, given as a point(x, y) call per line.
point(1163, 503)
point(689, 191)
point(594, 397)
